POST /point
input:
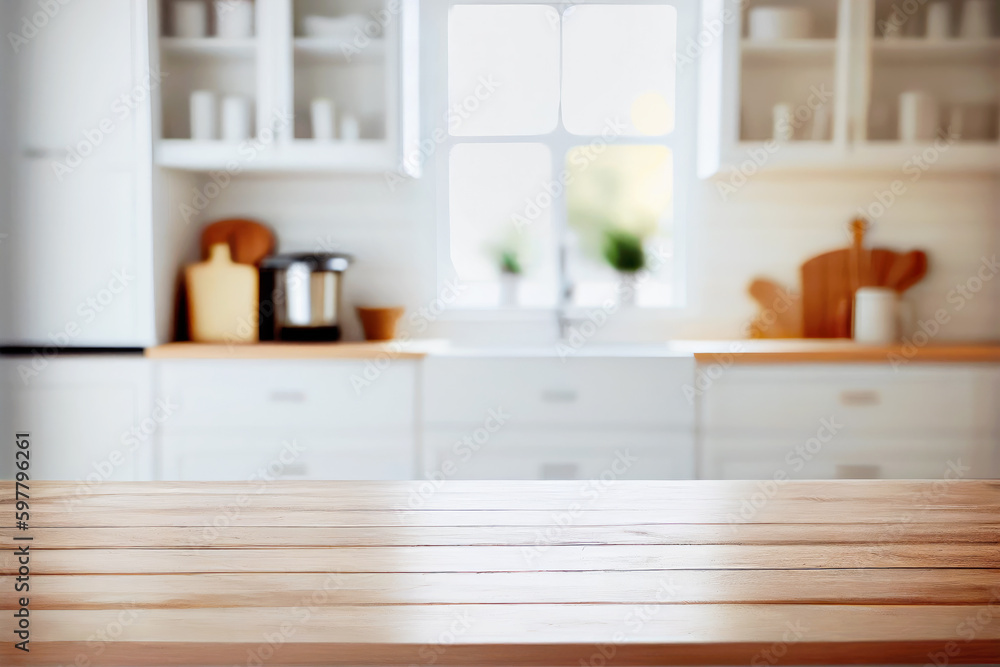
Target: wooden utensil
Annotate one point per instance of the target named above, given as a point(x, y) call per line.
point(249, 241)
point(222, 299)
point(825, 285)
point(780, 313)
point(907, 271)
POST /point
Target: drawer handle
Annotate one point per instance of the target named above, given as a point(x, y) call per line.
point(288, 397)
point(860, 397)
point(559, 396)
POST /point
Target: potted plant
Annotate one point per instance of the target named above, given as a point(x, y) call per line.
point(510, 275)
point(624, 251)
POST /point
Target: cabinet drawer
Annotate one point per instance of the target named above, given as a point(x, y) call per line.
point(849, 458)
point(288, 394)
point(308, 457)
point(865, 398)
point(456, 454)
point(573, 392)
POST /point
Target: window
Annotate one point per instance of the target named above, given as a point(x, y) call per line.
point(562, 154)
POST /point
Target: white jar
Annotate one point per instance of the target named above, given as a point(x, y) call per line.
point(235, 118)
point(976, 19)
point(203, 115)
point(321, 111)
point(189, 18)
point(350, 129)
point(938, 21)
point(918, 116)
point(781, 123)
point(768, 24)
point(876, 315)
point(234, 19)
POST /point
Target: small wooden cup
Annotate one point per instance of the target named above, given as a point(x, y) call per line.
point(379, 323)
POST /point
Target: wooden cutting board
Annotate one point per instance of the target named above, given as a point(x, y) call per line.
point(830, 280)
point(222, 299)
point(780, 313)
point(249, 241)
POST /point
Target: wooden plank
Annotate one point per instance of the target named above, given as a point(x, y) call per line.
point(577, 625)
point(234, 515)
point(634, 490)
point(633, 654)
point(503, 559)
point(281, 537)
point(175, 591)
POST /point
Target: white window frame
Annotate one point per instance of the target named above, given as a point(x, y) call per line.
point(681, 141)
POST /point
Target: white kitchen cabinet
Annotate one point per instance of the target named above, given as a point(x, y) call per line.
point(548, 418)
point(634, 392)
point(850, 420)
point(370, 75)
point(842, 86)
point(342, 419)
point(91, 418)
point(270, 455)
point(76, 256)
point(513, 453)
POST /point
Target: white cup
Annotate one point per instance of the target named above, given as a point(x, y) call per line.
point(938, 21)
point(203, 115)
point(190, 18)
point(321, 111)
point(235, 118)
point(234, 19)
point(876, 315)
point(781, 120)
point(976, 19)
point(350, 129)
point(918, 116)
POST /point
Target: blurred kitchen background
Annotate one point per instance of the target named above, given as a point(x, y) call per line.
point(717, 239)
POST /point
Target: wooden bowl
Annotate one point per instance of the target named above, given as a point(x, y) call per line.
point(379, 323)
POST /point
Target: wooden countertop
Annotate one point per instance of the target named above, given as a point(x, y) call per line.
point(284, 351)
point(704, 351)
point(535, 574)
point(843, 351)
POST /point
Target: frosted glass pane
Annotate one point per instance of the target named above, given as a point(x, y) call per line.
point(498, 201)
point(618, 69)
point(503, 70)
point(623, 188)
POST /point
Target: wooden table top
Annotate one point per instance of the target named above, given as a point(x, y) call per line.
point(506, 573)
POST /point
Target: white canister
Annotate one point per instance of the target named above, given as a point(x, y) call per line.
point(768, 24)
point(876, 315)
point(235, 118)
point(321, 111)
point(350, 129)
point(781, 119)
point(918, 116)
point(938, 21)
point(976, 20)
point(190, 18)
point(203, 115)
point(234, 19)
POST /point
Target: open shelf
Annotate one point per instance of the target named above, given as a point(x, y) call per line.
point(318, 49)
point(208, 47)
point(937, 52)
point(362, 156)
point(788, 52)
